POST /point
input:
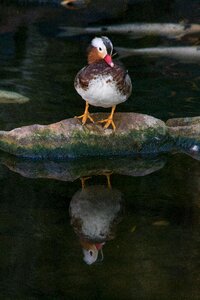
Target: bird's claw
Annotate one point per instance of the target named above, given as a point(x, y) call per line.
point(108, 122)
point(84, 118)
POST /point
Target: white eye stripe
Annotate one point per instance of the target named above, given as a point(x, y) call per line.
point(98, 43)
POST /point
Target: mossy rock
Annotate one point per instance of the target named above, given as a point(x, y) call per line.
point(135, 133)
point(185, 133)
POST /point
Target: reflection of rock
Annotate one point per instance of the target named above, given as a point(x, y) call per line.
point(193, 154)
point(8, 97)
point(139, 167)
point(94, 211)
point(135, 133)
point(74, 169)
point(186, 133)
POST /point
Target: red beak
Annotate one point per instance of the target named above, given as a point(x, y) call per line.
point(108, 60)
point(99, 246)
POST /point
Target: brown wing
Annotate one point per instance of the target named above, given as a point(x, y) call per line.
point(122, 80)
point(119, 74)
point(82, 79)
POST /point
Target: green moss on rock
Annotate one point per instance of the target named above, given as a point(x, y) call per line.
point(135, 133)
point(185, 132)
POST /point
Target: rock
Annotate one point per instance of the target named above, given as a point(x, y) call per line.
point(7, 97)
point(135, 133)
point(70, 170)
point(185, 133)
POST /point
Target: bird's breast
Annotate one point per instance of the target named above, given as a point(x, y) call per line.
point(95, 209)
point(102, 85)
point(102, 91)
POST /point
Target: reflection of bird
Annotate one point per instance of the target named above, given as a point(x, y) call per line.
point(94, 211)
point(102, 82)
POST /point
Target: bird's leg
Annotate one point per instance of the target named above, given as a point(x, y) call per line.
point(109, 121)
point(86, 115)
point(108, 174)
point(83, 180)
point(108, 180)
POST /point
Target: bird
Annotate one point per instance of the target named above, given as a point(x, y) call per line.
point(95, 210)
point(102, 82)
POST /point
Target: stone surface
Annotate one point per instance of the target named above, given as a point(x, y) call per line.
point(135, 133)
point(185, 133)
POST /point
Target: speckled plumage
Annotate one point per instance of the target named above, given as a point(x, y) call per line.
point(102, 82)
point(102, 85)
point(94, 211)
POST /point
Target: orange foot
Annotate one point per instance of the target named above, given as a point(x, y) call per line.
point(108, 122)
point(84, 118)
point(86, 115)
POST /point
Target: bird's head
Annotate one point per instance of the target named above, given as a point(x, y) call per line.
point(101, 48)
point(91, 251)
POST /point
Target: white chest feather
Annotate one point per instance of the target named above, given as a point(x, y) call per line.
point(102, 91)
point(96, 207)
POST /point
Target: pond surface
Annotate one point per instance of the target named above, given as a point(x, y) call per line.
point(150, 206)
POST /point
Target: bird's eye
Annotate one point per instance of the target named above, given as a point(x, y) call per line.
point(91, 253)
point(100, 49)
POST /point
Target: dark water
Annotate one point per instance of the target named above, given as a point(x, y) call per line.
point(152, 249)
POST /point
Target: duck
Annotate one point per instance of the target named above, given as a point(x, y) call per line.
point(95, 210)
point(103, 82)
